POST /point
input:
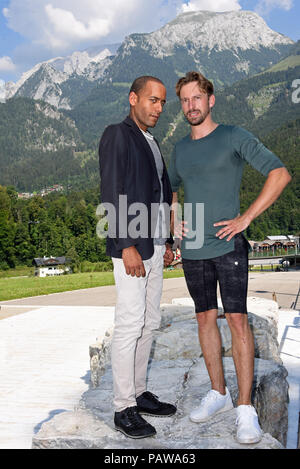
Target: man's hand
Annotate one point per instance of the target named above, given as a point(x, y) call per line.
point(276, 181)
point(180, 230)
point(168, 256)
point(232, 227)
point(133, 262)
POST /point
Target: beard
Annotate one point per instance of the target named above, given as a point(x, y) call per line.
point(199, 119)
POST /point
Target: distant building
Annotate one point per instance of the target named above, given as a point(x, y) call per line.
point(274, 242)
point(25, 195)
point(49, 266)
point(282, 238)
point(42, 192)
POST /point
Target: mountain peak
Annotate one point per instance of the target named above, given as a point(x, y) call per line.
point(215, 30)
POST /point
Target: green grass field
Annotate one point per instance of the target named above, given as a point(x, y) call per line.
point(17, 272)
point(290, 62)
point(21, 283)
point(13, 287)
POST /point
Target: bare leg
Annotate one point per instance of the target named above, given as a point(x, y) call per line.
point(243, 354)
point(211, 345)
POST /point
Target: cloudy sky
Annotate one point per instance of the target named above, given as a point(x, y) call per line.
point(35, 30)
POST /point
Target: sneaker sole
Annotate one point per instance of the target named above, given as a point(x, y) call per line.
point(249, 441)
point(156, 415)
point(226, 409)
point(118, 429)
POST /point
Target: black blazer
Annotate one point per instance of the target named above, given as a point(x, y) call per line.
point(127, 167)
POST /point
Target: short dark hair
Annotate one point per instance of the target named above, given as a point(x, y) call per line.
point(204, 84)
point(140, 82)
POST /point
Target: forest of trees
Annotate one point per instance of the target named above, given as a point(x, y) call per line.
point(56, 225)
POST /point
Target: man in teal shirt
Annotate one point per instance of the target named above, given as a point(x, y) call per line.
point(209, 163)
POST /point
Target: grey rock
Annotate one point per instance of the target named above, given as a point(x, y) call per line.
point(100, 355)
point(182, 382)
point(180, 339)
point(178, 335)
point(177, 374)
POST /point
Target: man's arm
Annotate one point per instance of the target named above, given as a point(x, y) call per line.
point(276, 181)
point(177, 225)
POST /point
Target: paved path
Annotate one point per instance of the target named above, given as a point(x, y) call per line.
point(44, 359)
point(44, 366)
point(284, 284)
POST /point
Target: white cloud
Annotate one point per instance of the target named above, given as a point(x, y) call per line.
point(67, 28)
point(60, 25)
point(264, 7)
point(216, 5)
point(6, 64)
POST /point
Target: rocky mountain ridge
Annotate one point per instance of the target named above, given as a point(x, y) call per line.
point(212, 31)
point(225, 46)
point(44, 80)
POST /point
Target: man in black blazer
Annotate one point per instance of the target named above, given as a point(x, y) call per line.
point(134, 180)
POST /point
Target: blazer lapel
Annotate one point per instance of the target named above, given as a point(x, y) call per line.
point(166, 184)
point(142, 141)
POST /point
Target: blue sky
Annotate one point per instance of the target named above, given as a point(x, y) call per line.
point(35, 30)
point(283, 21)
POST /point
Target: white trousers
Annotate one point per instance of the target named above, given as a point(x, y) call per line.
point(137, 315)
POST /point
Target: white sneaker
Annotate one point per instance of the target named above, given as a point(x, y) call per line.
point(248, 429)
point(210, 405)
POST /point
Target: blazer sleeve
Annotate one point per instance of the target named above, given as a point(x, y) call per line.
point(113, 162)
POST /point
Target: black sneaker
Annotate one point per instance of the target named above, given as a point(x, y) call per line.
point(148, 404)
point(129, 422)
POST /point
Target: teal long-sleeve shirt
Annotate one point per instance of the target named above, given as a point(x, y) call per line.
point(211, 170)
